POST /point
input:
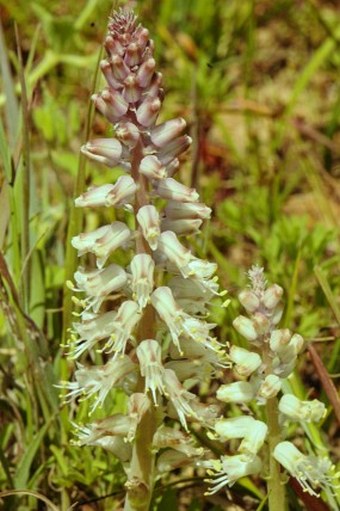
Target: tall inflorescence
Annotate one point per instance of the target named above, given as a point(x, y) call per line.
point(261, 373)
point(147, 319)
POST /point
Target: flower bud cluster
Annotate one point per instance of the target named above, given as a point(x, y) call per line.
point(260, 370)
point(154, 338)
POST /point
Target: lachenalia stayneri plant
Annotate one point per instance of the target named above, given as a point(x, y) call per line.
point(262, 371)
point(148, 319)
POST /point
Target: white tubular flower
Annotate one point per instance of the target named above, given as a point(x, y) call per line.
point(178, 322)
point(171, 189)
point(142, 269)
point(103, 150)
point(192, 297)
point(195, 370)
point(246, 328)
point(246, 362)
point(201, 269)
point(149, 221)
point(295, 409)
point(127, 317)
point(98, 284)
point(114, 444)
point(149, 354)
point(270, 387)
point(121, 193)
point(185, 226)
point(179, 397)
point(251, 431)
point(174, 251)
point(152, 168)
point(312, 472)
point(163, 301)
point(236, 427)
point(237, 392)
point(254, 439)
point(98, 380)
point(102, 241)
point(166, 437)
point(90, 331)
point(164, 133)
point(229, 469)
point(182, 210)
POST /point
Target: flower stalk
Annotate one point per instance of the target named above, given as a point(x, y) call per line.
point(261, 370)
point(155, 341)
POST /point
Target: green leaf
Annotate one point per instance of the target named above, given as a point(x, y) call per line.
point(22, 474)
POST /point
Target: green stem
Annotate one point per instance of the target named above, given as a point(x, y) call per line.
point(275, 486)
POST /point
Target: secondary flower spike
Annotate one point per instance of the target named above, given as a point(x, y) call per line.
point(147, 317)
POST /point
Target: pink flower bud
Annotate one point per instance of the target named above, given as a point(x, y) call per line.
point(152, 168)
point(128, 133)
point(106, 69)
point(113, 46)
point(119, 68)
point(164, 133)
point(179, 210)
point(146, 72)
point(132, 55)
point(171, 189)
point(148, 111)
point(174, 149)
point(109, 195)
point(132, 91)
point(111, 104)
point(103, 150)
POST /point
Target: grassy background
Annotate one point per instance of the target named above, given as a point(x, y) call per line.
point(258, 82)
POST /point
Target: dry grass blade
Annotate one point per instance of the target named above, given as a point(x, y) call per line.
point(326, 381)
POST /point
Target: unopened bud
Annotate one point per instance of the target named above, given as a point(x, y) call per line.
point(279, 338)
point(167, 131)
point(272, 296)
point(103, 150)
point(270, 387)
point(249, 300)
point(261, 323)
point(145, 72)
point(237, 392)
point(295, 409)
point(246, 361)
point(152, 168)
point(148, 111)
point(111, 104)
point(171, 189)
point(246, 328)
